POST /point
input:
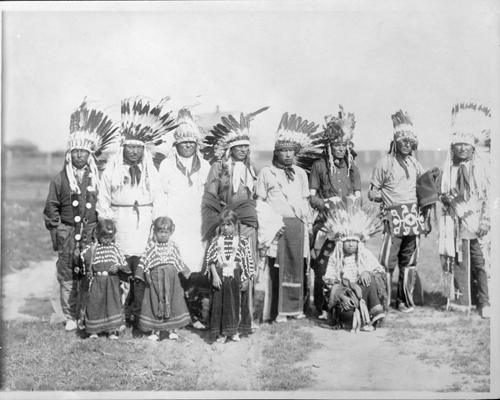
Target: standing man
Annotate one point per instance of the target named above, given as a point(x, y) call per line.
point(393, 183)
point(333, 178)
point(70, 209)
point(183, 174)
point(130, 192)
point(231, 185)
point(284, 186)
point(465, 214)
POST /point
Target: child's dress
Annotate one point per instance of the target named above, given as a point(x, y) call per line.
point(163, 305)
point(104, 312)
point(233, 261)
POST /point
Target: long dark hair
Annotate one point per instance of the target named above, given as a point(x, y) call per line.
point(231, 216)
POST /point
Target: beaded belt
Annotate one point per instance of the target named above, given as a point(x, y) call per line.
point(101, 273)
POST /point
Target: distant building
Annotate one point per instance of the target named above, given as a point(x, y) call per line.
point(207, 120)
point(22, 147)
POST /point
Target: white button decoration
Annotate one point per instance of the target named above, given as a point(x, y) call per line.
point(88, 205)
point(75, 203)
point(77, 218)
point(78, 237)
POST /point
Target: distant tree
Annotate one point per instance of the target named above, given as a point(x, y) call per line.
point(22, 147)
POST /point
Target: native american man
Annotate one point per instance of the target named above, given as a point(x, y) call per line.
point(284, 186)
point(70, 209)
point(465, 220)
point(130, 193)
point(333, 178)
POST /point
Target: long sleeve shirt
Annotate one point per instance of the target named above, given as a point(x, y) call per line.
point(389, 178)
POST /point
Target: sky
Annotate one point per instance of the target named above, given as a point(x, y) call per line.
point(299, 57)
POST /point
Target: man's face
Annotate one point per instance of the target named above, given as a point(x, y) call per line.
point(186, 149)
point(285, 156)
point(79, 158)
point(133, 152)
point(403, 146)
point(339, 149)
point(462, 151)
point(350, 246)
point(240, 152)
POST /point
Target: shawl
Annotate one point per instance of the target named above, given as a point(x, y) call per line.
point(211, 207)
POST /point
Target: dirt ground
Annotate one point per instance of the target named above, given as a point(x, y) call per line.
point(343, 361)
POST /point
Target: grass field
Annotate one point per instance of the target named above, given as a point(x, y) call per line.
point(39, 356)
point(25, 185)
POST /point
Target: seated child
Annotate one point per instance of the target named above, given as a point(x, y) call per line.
point(163, 305)
point(103, 312)
point(229, 264)
point(353, 274)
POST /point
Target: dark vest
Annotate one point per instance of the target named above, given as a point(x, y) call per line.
point(70, 209)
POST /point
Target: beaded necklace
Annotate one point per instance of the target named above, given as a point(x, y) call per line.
point(227, 263)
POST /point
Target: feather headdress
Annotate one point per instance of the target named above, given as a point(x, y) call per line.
point(226, 134)
point(143, 124)
point(187, 130)
point(294, 133)
point(91, 130)
point(403, 126)
point(353, 220)
point(471, 123)
point(339, 128)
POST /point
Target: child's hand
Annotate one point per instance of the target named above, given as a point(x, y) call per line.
point(216, 282)
point(279, 233)
point(113, 269)
point(263, 252)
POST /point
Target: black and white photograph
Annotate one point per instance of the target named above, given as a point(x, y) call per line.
point(250, 199)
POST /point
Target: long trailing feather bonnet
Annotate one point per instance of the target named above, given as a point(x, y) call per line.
point(93, 131)
point(141, 124)
point(226, 134)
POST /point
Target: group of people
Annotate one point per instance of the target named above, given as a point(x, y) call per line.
point(185, 238)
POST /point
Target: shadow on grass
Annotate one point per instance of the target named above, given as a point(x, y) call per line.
point(283, 347)
point(448, 339)
point(434, 299)
point(39, 307)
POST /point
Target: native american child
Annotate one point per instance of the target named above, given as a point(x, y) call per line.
point(230, 266)
point(163, 305)
point(465, 221)
point(284, 186)
point(231, 185)
point(103, 312)
point(70, 209)
point(354, 279)
point(394, 184)
point(334, 177)
point(183, 174)
point(130, 193)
